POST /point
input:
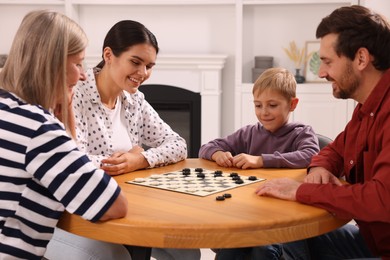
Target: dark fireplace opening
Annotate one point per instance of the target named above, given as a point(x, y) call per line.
point(180, 109)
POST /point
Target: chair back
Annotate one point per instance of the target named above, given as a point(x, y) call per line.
point(323, 140)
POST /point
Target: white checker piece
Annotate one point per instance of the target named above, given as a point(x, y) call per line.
point(192, 183)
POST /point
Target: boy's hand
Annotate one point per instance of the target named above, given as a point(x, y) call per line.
point(223, 159)
point(246, 161)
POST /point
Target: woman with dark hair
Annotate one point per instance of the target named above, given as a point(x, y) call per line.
point(114, 121)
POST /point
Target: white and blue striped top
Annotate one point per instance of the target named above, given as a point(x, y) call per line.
point(42, 173)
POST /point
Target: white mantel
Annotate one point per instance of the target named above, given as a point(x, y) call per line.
point(197, 73)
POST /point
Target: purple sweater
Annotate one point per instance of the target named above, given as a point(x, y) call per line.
point(292, 146)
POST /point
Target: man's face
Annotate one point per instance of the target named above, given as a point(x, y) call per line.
point(338, 69)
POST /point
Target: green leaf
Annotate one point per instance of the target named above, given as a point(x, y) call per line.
point(314, 63)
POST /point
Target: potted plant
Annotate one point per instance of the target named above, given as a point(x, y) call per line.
point(299, 57)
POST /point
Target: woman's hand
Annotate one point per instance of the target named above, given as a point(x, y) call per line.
point(70, 120)
point(124, 162)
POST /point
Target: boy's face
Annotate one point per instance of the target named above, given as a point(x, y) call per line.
point(272, 109)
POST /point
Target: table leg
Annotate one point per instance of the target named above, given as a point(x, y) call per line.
point(139, 252)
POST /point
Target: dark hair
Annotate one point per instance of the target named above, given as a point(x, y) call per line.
point(357, 27)
point(125, 34)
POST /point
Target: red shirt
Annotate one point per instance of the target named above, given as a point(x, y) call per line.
point(362, 154)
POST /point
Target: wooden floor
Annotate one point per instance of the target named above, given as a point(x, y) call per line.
point(206, 254)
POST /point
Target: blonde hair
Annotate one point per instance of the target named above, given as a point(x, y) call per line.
point(35, 69)
point(278, 79)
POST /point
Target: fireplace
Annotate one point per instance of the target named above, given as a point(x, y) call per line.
point(180, 109)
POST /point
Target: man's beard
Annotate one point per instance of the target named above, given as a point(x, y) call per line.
point(348, 84)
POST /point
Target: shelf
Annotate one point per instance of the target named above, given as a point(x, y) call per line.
point(32, 2)
point(173, 2)
point(153, 2)
point(293, 2)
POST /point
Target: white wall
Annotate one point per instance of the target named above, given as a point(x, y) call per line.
point(270, 28)
point(10, 19)
point(380, 6)
point(183, 29)
point(195, 29)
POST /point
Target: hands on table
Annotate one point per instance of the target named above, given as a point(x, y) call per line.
point(123, 162)
point(285, 188)
point(241, 161)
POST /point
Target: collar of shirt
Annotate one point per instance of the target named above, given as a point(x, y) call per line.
point(375, 99)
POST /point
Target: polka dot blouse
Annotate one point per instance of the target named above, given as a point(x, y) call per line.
point(144, 126)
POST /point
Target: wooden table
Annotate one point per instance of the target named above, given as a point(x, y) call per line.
point(160, 218)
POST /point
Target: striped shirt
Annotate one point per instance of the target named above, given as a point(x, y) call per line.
point(42, 173)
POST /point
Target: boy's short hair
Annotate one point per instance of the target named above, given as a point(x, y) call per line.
point(278, 79)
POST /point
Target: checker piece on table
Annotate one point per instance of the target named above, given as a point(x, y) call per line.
point(196, 181)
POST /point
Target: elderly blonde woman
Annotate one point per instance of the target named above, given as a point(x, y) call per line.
point(42, 173)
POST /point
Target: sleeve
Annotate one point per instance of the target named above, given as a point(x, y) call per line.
point(305, 145)
point(331, 156)
point(53, 158)
point(82, 127)
point(165, 145)
point(354, 200)
point(233, 143)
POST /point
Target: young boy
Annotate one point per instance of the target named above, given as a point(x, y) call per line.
point(273, 142)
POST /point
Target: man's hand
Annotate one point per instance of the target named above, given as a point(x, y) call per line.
point(321, 175)
point(282, 188)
